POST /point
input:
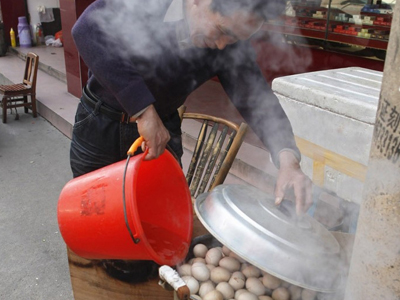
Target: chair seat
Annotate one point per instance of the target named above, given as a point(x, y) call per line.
point(14, 88)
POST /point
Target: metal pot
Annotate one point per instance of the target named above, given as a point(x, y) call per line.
point(298, 250)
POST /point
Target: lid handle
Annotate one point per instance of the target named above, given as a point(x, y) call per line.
point(288, 208)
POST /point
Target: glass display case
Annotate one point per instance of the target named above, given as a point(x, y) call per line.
point(357, 27)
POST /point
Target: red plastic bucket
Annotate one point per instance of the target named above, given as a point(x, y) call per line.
point(157, 210)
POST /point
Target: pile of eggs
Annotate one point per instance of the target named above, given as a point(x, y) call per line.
point(219, 274)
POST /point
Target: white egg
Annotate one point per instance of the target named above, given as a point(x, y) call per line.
point(281, 293)
point(213, 256)
point(244, 265)
point(295, 292)
point(237, 280)
point(195, 297)
point(264, 297)
point(268, 291)
point(247, 296)
point(185, 270)
point(200, 250)
point(230, 263)
point(270, 281)
point(251, 271)
point(213, 295)
point(200, 271)
point(233, 254)
point(255, 286)
point(225, 250)
point(219, 274)
point(239, 292)
point(285, 284)
point(210, 267)
point(206, 287)
point(308, 294)
point(226, 290)
point(198, 259)
point(191, 283)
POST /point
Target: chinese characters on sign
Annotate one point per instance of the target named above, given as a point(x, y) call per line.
point(387, 133)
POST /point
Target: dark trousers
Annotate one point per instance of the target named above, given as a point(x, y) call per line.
point(98, 141)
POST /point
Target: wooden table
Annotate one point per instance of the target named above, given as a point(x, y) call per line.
point(90, 281)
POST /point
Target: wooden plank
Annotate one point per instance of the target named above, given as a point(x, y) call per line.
point(318, 172)
point(332, 159)
point(90, 281)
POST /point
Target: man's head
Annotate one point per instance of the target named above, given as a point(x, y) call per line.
point(218, 23)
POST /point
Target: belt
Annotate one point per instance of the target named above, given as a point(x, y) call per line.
point(89, 99)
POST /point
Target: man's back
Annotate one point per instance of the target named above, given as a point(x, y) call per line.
point(128, 37)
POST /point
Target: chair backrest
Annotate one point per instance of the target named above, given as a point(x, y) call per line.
point(31, 68)
point(216, 147)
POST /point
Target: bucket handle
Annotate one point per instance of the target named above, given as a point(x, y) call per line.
point(136, 144)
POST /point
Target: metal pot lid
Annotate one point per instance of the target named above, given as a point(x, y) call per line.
point(300, 251)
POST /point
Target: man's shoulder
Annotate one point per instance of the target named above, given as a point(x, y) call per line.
point(150, 7)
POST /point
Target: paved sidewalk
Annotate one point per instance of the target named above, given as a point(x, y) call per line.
point(34, 167)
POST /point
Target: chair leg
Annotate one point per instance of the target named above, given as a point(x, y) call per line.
point(34, 111)
point(4, 103)
point(26, 104)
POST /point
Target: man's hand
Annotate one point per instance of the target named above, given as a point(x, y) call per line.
point(290, 176)
point(155, 135)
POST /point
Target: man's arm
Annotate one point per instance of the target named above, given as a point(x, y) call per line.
point(251, 94)
point(248, 90)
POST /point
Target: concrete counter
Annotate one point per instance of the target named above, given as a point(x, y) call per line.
point(333, 115)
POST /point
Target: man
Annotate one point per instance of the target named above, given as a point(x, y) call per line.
point(145, 58)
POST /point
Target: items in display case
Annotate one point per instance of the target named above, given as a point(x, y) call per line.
point(367, 26)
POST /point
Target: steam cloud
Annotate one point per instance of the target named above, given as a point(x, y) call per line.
point(131, 32)
point(138, 33)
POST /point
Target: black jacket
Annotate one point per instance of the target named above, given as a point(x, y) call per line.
point(135, 60)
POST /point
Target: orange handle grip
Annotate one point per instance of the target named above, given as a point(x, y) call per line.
point(136, 144)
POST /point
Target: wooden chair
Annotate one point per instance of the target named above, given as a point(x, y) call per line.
point(216, 147)
point(16, 95)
